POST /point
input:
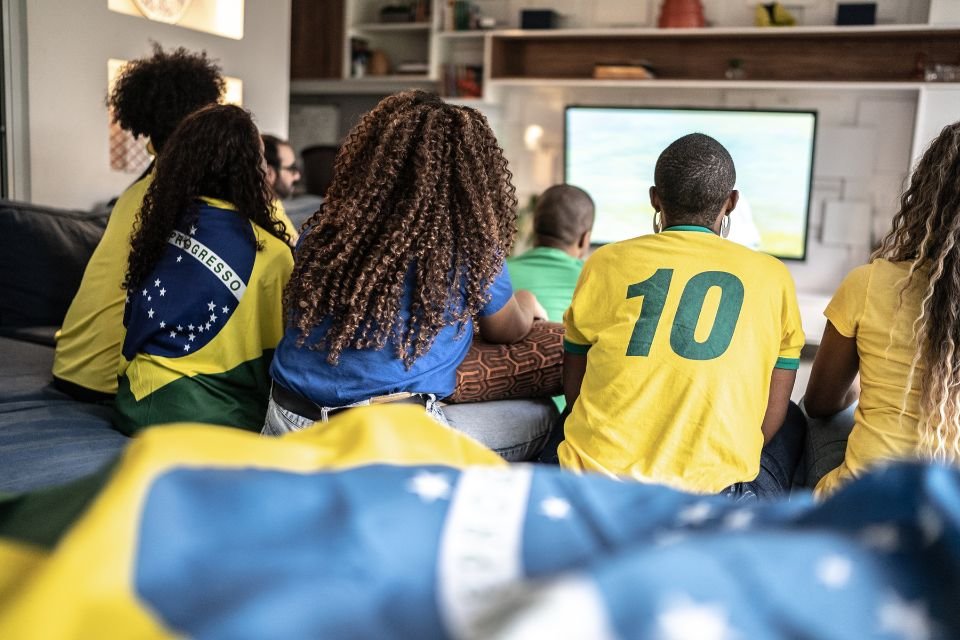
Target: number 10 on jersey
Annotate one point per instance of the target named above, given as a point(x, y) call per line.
point(654, 292)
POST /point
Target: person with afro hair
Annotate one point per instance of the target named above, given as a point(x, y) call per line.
point(150, 98)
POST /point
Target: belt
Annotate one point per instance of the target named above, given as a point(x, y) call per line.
point(296, 403)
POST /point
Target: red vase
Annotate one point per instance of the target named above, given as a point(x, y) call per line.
point(681, 14)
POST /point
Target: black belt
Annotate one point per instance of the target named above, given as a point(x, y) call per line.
point(296, 403)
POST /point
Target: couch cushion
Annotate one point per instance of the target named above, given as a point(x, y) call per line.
point(43, 252)
point(531, 368)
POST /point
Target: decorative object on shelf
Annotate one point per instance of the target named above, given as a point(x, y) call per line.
point(463, 80)
point(681, 14)
point(856, 13)
point(735, 70)
point(538, 19)
point(359, 57)
point(169, 11)
point(939, 72)
point(773, 14)
point(379, 63)
point(398, 13)
point(629, 70)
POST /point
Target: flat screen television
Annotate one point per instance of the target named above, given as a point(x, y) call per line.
point(611, 153)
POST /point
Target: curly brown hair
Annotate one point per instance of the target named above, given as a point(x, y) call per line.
point(152, 95)
point(215, 152)
point(421, 190)
point(926, 233)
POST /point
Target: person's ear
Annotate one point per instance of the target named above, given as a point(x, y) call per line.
point(655, 199)
point(271, 175)
point(731, 202)
point(584, 243)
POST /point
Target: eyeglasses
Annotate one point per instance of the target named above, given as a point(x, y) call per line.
point(292, 168)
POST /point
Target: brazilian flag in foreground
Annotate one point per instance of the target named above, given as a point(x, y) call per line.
point(385, 524)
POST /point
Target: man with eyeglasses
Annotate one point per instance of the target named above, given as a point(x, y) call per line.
point(282, 169)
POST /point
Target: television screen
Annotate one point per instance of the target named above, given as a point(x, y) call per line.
point(611, 153)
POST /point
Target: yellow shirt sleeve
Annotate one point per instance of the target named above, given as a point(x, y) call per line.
point(793, 338)
point(573, 340)
point(846, 307)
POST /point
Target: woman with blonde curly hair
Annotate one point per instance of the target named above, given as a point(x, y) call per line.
point(896, 323)
point(407, 249)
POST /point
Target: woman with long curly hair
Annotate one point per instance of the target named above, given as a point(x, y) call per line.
point(896, 323)
point(406, 251)
point(208, 263)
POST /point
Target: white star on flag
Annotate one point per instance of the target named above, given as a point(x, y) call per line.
point(429, 486)
point(695, 514)
point(191, 337)
point(173, 334)
point(150, 313)
point(226, 309)
point(163, 324)
point(128, 297)
point(207, 326)
point(213, 317)
point(685, 619)
point(144, 292)
point(931, 524)
point(179, 328)
point(190, 326)
point(907, 620)
point(738, 520)
point(200, 328)
point(149, 298)
point(834, 571)
point(882, 537)
point(163, 292)
point(186, 347)
point(211, 306)
point(555, 508)
point(179, 258)
point(156, 282)
point(193, 229)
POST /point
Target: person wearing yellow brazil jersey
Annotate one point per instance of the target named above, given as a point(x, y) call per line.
point(682, 347)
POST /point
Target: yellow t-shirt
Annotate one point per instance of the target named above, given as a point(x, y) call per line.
point(88, 344)
point(682, 331)
point(867, 307)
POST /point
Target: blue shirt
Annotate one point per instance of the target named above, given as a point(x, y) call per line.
point(364, 373)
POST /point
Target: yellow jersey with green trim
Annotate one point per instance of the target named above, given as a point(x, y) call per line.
point(88, 344)
point(681, 331)
point(201, 329)
point(869, 308)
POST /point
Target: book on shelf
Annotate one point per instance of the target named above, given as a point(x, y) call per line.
point(463, 80)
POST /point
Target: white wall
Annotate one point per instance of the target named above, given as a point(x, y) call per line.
point(68, 45)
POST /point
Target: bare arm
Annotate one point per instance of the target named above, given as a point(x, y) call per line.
point(513, 321)
point(574, 366)
point(832, 385)
point(781, 386)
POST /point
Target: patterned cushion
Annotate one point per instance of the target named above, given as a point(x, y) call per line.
point(530, 368)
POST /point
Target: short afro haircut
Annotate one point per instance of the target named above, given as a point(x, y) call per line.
point(152, 95)
point(563, 212)
point(694, 176)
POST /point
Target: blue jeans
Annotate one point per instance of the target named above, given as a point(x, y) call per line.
point(280, 421)
point(515, 429)
point(779, 461)
point(826, 444)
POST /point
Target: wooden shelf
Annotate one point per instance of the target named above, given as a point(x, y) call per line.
point(464, 35)
point(392, 26)
point(787, 85)
point(794, 54)
point(372, 85)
